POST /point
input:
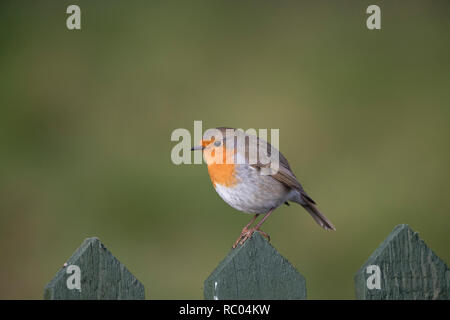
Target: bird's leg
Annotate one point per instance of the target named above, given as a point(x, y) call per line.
point(249, 233)
point(245, 230)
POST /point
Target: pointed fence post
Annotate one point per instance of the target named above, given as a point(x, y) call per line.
point(255, 270)
point(403, 267)
point(93, 273)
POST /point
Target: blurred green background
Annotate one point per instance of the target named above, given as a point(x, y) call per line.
point(86, 118)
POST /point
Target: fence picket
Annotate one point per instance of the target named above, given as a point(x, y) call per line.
point(402, 267)
point(92, 272)
point(255, 270)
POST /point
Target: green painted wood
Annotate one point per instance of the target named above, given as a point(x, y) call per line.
point(102, 276)
point(408, 270)
point(255, 270)
point(447, 276)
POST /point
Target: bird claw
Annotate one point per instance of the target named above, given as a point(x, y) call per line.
point(246, 234)
point(241, 237)
point(264, 234)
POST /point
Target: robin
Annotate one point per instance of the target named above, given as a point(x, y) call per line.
point(251, 186)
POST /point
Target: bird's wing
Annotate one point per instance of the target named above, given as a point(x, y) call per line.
point(284, 173)
point(287, 177)
point(250, 155)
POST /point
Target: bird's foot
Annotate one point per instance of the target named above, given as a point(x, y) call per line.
point(247, 233)
point(243, 233)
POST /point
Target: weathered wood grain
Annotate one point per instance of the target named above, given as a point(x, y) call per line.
point(102, 276)
point(409, 270)
point(255, 270)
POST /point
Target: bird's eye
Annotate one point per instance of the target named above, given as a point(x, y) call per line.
point(217, 143)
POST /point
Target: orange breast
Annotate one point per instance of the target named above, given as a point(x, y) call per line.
point(223, 174)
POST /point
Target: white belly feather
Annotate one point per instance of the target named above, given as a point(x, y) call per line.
point(254, 193)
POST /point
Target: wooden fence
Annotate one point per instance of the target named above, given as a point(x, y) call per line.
point(402, 267)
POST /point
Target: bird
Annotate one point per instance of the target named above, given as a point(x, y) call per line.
point(250, 185)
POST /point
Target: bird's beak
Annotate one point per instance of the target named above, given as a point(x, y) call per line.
point(197, 148)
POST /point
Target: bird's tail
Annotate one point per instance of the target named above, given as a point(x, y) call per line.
point(321, 220)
